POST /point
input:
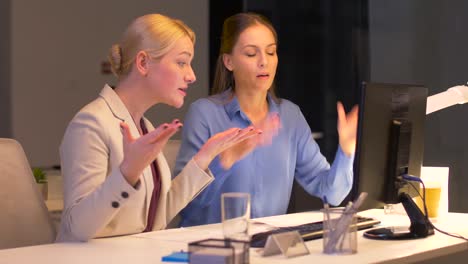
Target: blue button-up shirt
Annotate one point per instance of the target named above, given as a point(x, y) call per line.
point(268, 172)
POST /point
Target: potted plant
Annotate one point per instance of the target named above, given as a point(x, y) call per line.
point(41, 181)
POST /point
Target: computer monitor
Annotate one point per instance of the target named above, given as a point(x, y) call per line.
point(390, 144)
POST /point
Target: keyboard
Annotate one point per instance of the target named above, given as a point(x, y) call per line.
point(307, 231)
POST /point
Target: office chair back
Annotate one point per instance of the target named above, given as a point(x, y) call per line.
point(24, 218)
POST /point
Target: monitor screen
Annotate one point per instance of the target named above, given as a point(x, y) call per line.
point(390, 141)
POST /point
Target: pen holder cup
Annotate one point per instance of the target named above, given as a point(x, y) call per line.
point(225, 251)
point(339, 231)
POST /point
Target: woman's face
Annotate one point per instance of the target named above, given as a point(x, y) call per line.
point(170, 76)
point(253, 60)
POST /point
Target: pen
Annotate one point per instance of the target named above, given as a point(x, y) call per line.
point(328, 228)
point(344, 222)
point(326, 208)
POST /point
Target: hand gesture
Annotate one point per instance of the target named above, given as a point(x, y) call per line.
point(347, 128)
point(269, 127)
point(221, 142)
point(140, 152)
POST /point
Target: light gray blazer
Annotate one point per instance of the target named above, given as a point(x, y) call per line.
point(98, 201)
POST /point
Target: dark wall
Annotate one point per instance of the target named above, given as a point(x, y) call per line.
point(324, 58)
point(410, 46)
point(5, 102)
point(219, 10)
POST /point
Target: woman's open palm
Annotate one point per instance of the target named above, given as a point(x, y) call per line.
point(347, 128)
point(267, 130)
point(140, 152)
point(222, 142)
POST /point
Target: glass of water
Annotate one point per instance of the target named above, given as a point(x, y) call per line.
point(235, 214)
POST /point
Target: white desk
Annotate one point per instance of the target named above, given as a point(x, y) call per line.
point(150, 247)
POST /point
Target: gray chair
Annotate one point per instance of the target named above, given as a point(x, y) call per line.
point(24, 218)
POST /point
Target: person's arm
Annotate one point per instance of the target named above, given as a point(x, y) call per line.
point(92, 189)
point(185, 187)
point(196, 132)
point(313, 171)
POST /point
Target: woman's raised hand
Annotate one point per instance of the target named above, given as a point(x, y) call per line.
point(221, 142)
point(347, 128)
point(140, 152)
point(269, 129)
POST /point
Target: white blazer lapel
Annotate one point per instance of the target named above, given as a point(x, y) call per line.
point(120, 111)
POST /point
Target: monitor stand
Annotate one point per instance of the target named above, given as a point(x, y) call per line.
point(420, 226)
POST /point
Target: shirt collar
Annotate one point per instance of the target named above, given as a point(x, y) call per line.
point(232, 106)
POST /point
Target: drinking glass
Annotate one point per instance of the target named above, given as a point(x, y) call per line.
point(235, 212)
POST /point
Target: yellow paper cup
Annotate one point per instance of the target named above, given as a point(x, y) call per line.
point(436, 182)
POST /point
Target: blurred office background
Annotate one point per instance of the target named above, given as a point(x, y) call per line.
point(53, 61)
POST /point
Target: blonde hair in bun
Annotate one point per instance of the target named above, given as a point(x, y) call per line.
point(154, 33)
point(115, 59)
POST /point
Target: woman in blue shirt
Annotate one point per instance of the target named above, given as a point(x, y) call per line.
point(244, 96)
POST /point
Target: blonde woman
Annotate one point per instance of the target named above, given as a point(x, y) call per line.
point(116, 180)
